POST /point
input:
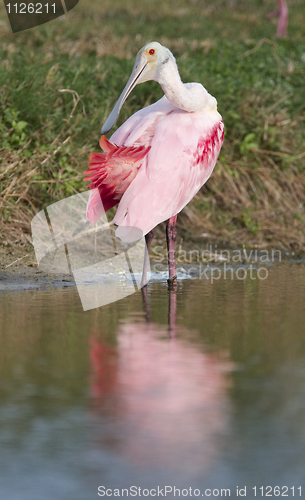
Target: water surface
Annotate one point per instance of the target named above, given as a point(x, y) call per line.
point(117, 397)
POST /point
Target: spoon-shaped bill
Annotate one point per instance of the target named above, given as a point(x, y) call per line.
point(139, 67)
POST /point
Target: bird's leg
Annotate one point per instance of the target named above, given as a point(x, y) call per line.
point(148, 239)
point(282, 13)
point(146, 304)
point(274, 13)
point(283, 20)
point(172, 309)
point(171, 235)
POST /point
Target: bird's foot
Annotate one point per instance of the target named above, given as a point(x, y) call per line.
point(172, 283)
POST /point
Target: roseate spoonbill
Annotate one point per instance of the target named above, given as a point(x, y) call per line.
point(157, 161)
point(282, 12)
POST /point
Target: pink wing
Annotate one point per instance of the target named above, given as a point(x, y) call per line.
point(111, 172)
point(184, 150)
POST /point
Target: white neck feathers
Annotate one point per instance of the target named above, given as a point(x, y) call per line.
point(188, 97)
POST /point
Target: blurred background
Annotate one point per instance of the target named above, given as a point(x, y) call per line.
point(59, 81)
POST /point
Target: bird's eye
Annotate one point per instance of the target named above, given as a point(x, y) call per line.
point(152, 51)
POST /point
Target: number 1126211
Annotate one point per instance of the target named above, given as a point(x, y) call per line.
point(30, 8)
point(277, 491)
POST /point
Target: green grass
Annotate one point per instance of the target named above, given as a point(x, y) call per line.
point(256, 193)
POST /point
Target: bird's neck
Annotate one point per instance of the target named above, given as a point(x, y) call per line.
point(188, 97)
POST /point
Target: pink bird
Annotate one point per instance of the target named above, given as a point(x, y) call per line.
point(157, 161)
point(282, 12)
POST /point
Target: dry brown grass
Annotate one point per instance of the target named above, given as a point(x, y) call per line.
point(254, 209)
point(20, 189)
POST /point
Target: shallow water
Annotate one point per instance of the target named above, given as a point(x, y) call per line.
point(115, 397)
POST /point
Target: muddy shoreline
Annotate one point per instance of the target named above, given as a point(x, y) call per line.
point(19, 271)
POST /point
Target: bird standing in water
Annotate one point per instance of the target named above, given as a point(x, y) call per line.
point(157, 161)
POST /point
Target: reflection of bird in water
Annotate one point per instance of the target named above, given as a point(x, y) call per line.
point(172, 310)
point(166, 398)
point(282, 14)
point(160, 157)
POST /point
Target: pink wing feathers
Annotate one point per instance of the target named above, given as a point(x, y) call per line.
point(183, 153)
point(111, 172)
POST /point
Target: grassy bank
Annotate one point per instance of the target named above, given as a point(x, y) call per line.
point(59, 81)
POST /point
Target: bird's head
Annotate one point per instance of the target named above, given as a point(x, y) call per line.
point(149, 62)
